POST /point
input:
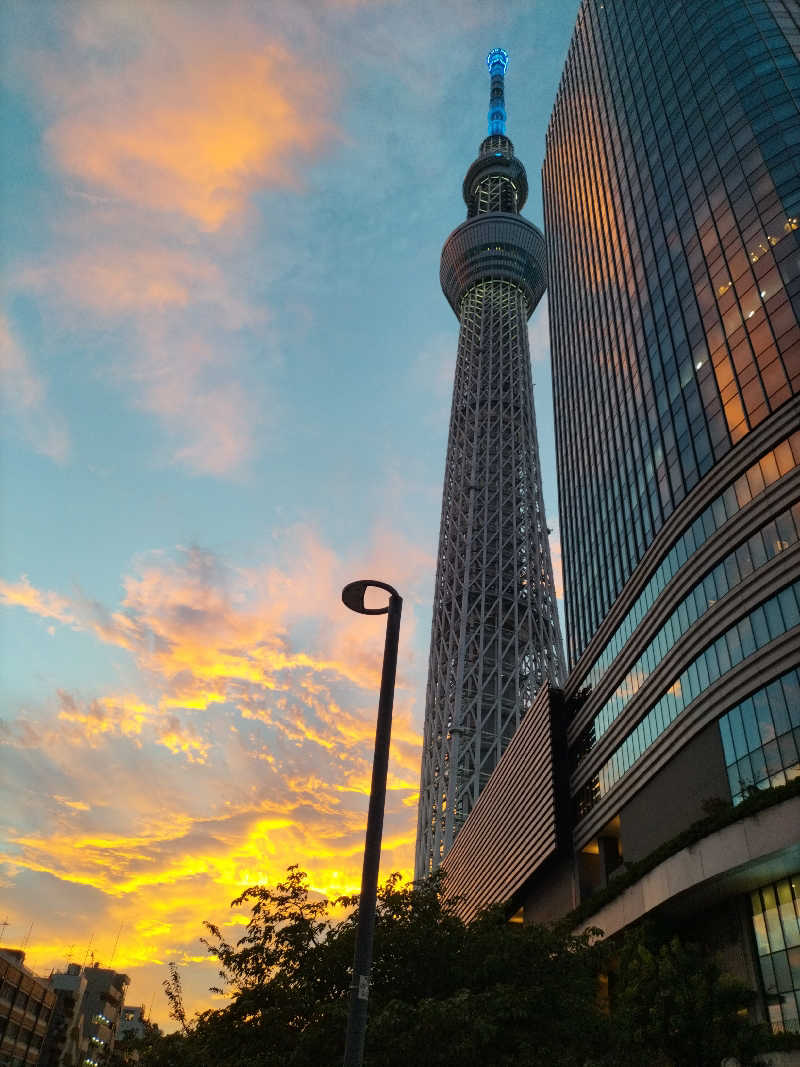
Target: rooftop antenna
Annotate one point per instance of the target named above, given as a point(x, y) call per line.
point(27, 936)
point(88, 947)
point(3, 926)
point(116, 942)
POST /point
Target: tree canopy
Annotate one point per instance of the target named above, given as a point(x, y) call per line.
point(444, 991)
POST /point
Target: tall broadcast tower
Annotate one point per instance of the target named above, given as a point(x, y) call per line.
point(495, 635)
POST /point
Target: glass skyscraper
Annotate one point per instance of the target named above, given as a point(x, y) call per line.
point(672, 215)
point(672, 193)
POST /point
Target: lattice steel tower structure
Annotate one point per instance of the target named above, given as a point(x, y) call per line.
point(495, 635)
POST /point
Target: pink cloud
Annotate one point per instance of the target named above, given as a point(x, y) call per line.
point(189, 381)
point(555, 555)
point(23, 393)
point(182, 378)
point(129, 277)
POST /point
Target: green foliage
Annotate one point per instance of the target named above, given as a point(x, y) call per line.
point(671, 999)
point(173, 990)
point(285, 926)
point(496, 993)
point(153, 1047)
point(445, 992)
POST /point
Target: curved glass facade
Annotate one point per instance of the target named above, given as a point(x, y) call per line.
point(774, 617)
point(736, 567)
point(772, 466)
point(672, 200)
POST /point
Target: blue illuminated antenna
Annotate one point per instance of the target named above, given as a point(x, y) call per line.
point(497, 62)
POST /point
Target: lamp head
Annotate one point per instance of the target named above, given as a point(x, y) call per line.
point(354, 592)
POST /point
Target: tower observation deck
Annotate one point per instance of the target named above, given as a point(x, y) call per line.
point(495, 635)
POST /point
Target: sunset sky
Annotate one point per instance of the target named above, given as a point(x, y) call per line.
point(226, 370)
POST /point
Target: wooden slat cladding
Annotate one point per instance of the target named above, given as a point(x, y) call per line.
point(512, 828)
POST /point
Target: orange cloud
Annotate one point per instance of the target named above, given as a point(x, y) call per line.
point(203, 112)
point(282, 737)
point(246, 745)
point(161, 875)
point(154, 889)
point(23, 396)
point(75, 805)
point(47, 605)
point(207, 634)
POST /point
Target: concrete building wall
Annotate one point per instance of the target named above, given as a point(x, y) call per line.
point(674, 797)
point(553, 893)
point(26, 1005)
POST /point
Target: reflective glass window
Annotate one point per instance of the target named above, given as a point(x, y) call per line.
point(677, 697)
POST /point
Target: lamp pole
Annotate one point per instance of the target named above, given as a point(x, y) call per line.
point(353, 597)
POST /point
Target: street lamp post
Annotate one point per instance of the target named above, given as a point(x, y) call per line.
point(353, 597)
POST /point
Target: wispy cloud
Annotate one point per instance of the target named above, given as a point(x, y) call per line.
point(432, 372)
point(188, 382)
point(133, 277)
point(46, 604)
point(24, 399)
point(190, 378)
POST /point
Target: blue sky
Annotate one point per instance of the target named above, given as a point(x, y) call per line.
point(227, 365)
